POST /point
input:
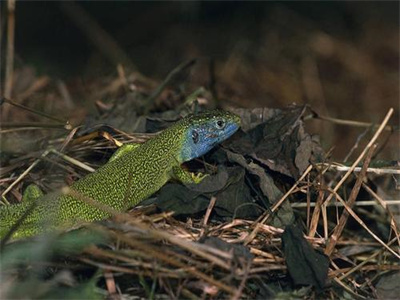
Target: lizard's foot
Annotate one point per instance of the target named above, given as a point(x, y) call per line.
point(197, 178)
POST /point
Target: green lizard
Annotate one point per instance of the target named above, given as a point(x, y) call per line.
point(133, 174)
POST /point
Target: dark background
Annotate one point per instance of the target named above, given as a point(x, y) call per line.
point(342, 58)
point(45, 36)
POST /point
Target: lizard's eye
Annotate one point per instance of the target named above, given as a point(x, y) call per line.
point(220, 124)
point(195, 136)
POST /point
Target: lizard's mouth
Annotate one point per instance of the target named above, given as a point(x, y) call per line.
point(212, 136)
point(230, 129)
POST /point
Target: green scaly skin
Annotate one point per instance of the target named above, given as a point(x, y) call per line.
point(131, 175)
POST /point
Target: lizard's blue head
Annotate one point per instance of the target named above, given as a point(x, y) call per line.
point(205, 130)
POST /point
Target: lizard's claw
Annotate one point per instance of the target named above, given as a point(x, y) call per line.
point(197, 178)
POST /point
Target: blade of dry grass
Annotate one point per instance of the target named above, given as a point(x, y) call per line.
point(207, 215)
point(384, 204)
point(104, 42)
point(36, 112)
point(348, 289)
point(267, 214)
point(367, 260)
point(39, 84)
point(357, 218)
point(354, 123)
point(378, 171)
point(16, 127)
point(352, 198)
point(315, 218)
point(371, 202)
point(20, 177)
point(9, 73)
point(170, 260)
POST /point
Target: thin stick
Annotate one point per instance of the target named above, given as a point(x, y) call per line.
point(324, 221)
point(104, 42)
point(36, 86)
point(207, 215)
point(36, 112)
point(357, 218)
point(9, 73)
point(245, 276)
point(44, 154)
point(16, 224)
point(177, 263)
point(72, 160)
point(357, 143)
point(352, 198)
point(348, 289)
point(367, 260)
point(171, 76)
point(371, 142)
point(20, 177)
point(353, 123)
point(308, 194)
point(275, 206)
point(28, 126)
point(384, 203)
point(358, 203)
point(378, 171)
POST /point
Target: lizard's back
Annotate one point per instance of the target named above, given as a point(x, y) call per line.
point(126, 180)
point(122, 183)
point(119, 184)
